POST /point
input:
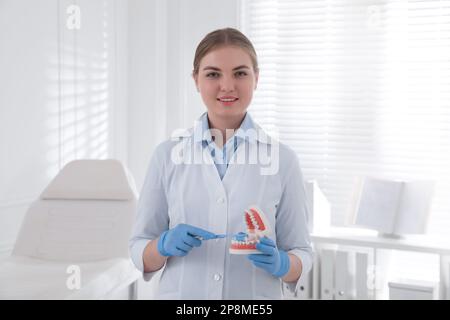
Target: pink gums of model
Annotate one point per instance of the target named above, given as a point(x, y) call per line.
point(257, 227)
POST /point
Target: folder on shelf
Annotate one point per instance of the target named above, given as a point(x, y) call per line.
point(341, 276)
point(444, 292)
point(361, 281)
point(327, 274)
point(344, 275)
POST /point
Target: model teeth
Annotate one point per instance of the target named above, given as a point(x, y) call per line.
point(246, 243)
point(253, 220)
point(255, 223)
point(242, 243)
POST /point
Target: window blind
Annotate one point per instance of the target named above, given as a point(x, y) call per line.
point(357, 88)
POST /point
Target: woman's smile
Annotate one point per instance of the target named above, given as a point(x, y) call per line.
point(227, 100)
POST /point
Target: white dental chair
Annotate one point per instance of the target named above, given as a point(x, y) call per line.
point(73, 242)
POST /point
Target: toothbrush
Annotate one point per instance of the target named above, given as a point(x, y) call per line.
point(217, 236)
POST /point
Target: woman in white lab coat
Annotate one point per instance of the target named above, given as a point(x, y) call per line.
point(200, 182)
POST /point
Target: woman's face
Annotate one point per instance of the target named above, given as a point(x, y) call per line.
point(226, 81)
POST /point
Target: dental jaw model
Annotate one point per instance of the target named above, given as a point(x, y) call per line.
point(257, 227)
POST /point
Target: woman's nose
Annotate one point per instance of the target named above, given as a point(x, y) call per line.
point(227, 84)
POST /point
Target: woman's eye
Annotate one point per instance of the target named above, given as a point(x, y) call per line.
point(212, 75)
point(241, 73)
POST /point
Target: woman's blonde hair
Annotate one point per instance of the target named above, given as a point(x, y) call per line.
point(220, 38)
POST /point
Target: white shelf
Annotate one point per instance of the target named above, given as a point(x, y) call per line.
point(369, 238)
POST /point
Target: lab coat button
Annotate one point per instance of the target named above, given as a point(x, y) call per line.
point(217, 277)
point(220, 200)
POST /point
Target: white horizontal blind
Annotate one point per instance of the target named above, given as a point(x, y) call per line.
point(356, 88)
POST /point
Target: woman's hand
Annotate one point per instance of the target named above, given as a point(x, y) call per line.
point(273, 260)
point(181, 239)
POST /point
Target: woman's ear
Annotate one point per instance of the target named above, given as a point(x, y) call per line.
point(256, 80)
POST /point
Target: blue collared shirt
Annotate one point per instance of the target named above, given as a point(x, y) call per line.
point(222, 156)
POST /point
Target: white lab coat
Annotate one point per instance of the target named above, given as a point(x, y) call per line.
point(175, 192)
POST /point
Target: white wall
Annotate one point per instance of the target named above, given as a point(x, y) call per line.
point(63, 96)
point(146, 84)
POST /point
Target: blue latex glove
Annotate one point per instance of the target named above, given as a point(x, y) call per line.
point(181, 239)
point(274, 260)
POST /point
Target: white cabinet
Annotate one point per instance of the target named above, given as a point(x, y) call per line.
point(353, 263)
point(413, 290)
point(342, 273)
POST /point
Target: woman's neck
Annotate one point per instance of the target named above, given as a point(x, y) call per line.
point(227, 127)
